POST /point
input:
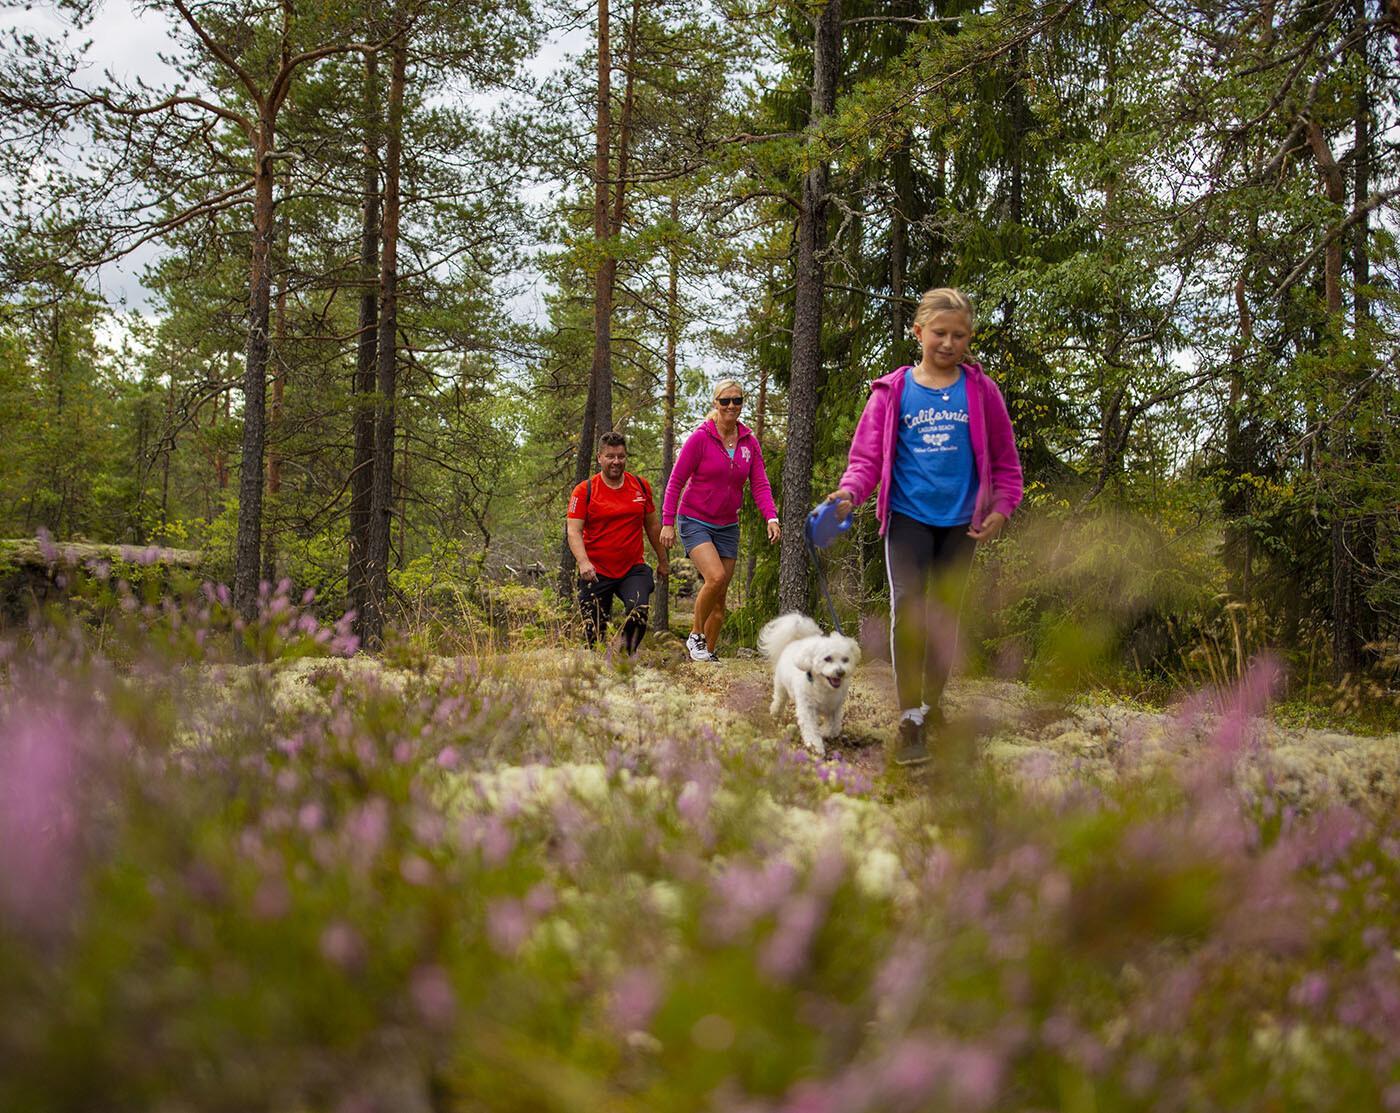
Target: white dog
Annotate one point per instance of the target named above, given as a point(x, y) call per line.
point(813, 670)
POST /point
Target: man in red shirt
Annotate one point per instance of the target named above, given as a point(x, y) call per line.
point(608, 513)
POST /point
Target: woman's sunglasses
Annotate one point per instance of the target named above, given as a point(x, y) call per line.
point(735, 401)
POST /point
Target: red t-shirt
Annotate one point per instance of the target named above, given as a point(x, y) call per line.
point(612, 522)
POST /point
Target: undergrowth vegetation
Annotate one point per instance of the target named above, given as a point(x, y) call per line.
point(242, 868)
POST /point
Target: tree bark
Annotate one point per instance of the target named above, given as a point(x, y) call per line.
point(902, 180)
point(278, 359)
point(386, 379)
point(598, 415)
point(1235, 499)
point(248, 541)
point(1364, 541)
point(661, 608)
point(1346, 631)
point(609, 212)
point(805, 364)
point(760, 421)
point(902, 172)
point(362, 462)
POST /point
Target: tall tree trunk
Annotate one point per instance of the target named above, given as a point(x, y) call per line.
point(362, 463)
point(382, 488)
point(274, 417)
point(807, 317)
point(902, 181)
point(661, 609)
point(598, 414)
point(221, 470)
point(759, 423)
point(166, 452)
point(401, 558)
point(902, 173)
point(1364, 544)
point(1346, 632)
point(609, 211)
point(248, 541)
point(1361, 186)
point(602, 329)
point(1236, 498)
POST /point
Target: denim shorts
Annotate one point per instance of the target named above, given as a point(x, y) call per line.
point(694, 532)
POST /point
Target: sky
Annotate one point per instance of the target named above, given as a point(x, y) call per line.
point(127, 41)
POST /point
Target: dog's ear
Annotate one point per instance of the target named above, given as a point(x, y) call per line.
point(802, 653)
point(854, 647)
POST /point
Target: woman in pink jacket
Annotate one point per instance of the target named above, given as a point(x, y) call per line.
point(937, 440)
point(702, 502)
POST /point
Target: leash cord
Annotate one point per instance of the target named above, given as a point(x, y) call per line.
point(821, 581)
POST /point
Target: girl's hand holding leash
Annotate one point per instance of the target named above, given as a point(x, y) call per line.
point(774, 533)
point(845, 502)
point(991, 526)
point(668, 536)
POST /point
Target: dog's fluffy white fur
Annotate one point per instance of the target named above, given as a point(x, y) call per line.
point(811, 669)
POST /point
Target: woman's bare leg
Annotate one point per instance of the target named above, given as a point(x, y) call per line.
point(709, 601)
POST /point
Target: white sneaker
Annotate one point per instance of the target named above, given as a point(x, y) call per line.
point(699, 650)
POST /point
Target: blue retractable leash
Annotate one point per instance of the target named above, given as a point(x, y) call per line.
point(822, 528)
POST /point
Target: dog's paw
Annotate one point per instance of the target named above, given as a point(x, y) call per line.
point(816, 745)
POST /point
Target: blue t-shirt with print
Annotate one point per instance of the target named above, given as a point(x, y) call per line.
point(934, 479)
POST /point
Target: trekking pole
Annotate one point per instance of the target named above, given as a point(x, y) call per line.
point(820, 530)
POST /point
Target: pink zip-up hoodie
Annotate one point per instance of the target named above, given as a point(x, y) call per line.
point(999, 482)
point(712, 483)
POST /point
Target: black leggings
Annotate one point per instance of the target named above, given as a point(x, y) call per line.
point(596, 600)
point(928, 567)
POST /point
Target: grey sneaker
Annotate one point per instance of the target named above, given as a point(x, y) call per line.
point(912, 749)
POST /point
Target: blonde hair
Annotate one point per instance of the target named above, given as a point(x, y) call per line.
point(944, 299)
point(720, 388)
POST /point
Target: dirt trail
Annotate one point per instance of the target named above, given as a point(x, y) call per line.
point(1034, 737)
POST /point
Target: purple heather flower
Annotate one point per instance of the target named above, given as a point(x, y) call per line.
point(1311, 991)
point(38, 814)
point(903, 971)
point(271, 900)
point(416, 870)
point(693, 803)
point(812, 1097)
point(47, 549)
point(508, 925)
point(785, 951)
point(746, 893)
point(343, 946)
point(433, 996)
point(541, 899)
point(911, 1071)
point(368, 828)
point(635, 996)
point(976, 1077)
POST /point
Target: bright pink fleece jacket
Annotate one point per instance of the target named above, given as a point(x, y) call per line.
point(999, 484)
point(712, 482)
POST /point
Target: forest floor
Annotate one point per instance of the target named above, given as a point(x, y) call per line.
point(1008, 729)
point(1039, 739)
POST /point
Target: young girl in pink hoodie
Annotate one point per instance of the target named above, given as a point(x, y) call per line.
point(702, 499)
point(937, 440)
